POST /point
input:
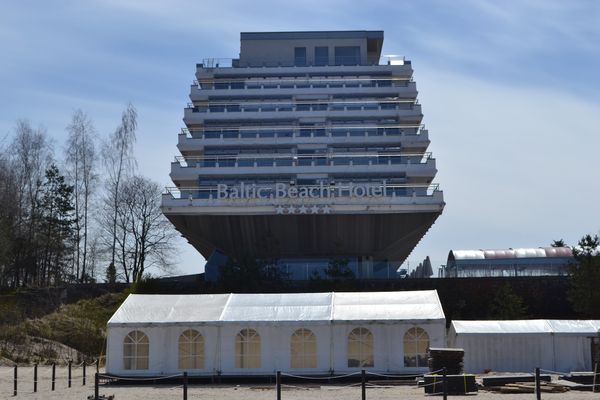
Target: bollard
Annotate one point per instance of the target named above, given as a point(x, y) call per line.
point(97, 365)
point(15, 381)
point(96, 388)
point(35, 377)
point(278, 384)
point(53, 376)
point(83, 376)
point(185, 385)
point(445, 385)
point(363, 384)
point(69, 376)
point(538, 388)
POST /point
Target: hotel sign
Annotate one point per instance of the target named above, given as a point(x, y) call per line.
point(285, 191)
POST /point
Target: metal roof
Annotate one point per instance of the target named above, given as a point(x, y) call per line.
point(539, 252)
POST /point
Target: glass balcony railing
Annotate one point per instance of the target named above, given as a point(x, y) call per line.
point(302, 83)
point(216, 107)
point(329, 191)
point(265, 132)
point(303, 62)
point(293, 160)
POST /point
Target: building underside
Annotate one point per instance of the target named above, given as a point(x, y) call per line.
point(384, 236)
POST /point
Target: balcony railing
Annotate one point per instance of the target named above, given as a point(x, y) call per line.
point(344, 191)
point(301, 83)
point(302, 62)
point(225, 107)
point(267, 132)
point(291, 160)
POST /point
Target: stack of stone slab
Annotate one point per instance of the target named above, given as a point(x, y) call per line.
point(451, 359)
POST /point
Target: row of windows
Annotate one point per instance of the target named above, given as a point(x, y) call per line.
point(314, 132)
point(273, 107)
point(303, 349)
point(304, 84)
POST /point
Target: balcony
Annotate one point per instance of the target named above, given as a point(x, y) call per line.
point(252, 198)
point(414, 165)
point(196, 114)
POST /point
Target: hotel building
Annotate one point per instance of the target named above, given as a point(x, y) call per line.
point(309, 147)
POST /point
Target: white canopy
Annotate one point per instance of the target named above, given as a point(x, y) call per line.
point(282, 307)
point(530, 326)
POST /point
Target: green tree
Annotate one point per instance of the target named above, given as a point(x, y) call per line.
point(56, 226)
point(338, 270)
point(558, 243)
point(584, 292)
point(507, 304)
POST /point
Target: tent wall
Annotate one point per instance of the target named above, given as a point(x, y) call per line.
point(219, 345)
point(523, 352)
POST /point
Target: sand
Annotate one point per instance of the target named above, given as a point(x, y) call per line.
point(225, 391)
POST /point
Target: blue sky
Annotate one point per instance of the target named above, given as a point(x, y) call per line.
point(510, 93)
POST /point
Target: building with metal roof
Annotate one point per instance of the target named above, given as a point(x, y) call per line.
point(541, 261)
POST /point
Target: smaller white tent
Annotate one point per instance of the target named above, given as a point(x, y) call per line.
point(523, 345)
point(307, 333)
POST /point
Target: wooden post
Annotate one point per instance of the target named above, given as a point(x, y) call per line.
point(538, 388)
point(363, 386)
point(594, 380)
point(53, 376)
point(83, 377)
point(96, 389)
point(69, 372)
point(444, 385)
point(278, 384)
point(185, 385)
point(15, 381)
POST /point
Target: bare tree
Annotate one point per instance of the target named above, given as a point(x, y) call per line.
point(81, 161)
point(118, 160)
point(145, 237)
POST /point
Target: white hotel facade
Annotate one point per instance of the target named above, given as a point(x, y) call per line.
point(308, 147)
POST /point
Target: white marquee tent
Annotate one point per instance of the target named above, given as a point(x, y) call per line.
point(257, 334)
point(523, 345)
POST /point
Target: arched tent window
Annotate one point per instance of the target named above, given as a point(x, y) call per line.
point(416, 343)
point(247, 349)
point(191, 350)
point(136, 349)
point(303, 349)
point(360, 348)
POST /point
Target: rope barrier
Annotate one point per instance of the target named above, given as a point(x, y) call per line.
point(394, 376)
point(119, 378)
point(319, 377)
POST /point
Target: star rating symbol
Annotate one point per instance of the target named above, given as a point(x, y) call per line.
point(314, 209)
point(279, 209)
point(326, 210)
point(302, 209)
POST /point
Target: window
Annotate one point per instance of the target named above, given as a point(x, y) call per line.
point(191, 350)
point(303, 349)
point(136, 348)
point(416, 343)
point(300, 56)
point(347, 55)
point(247, 349)
point(360, 348)
point(321, 55)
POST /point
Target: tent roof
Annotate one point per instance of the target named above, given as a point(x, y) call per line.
point(540, 252)
point(281, 307)
point(528, 326)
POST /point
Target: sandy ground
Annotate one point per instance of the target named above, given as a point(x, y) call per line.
point(225, 392)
